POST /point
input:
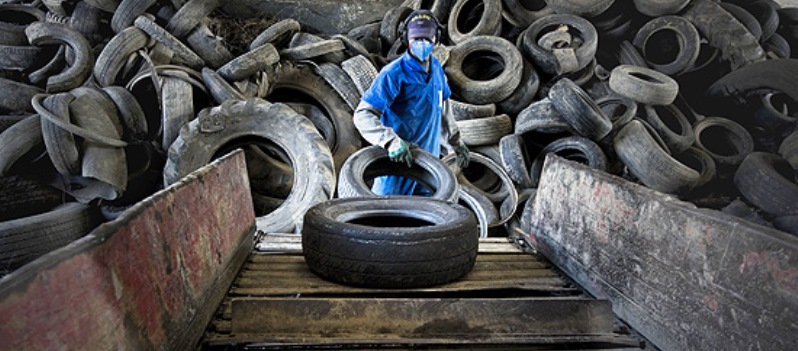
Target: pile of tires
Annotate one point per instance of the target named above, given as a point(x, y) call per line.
point(102, 103)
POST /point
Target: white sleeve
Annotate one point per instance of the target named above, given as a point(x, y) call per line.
point(367, 122)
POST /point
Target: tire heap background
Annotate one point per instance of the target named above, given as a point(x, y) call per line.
point(193, 65)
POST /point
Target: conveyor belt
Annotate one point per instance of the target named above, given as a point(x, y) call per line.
point(509, 300)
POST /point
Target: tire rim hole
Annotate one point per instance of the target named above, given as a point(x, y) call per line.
point(533, 5)
point(663, 47)
point(483, 65)
point(17, 17)
point(668, 117)
point(470, 16)
point(390, 220)
point(645, 77)
point(615, 109)
point(782, 103)
point(573, 155)
point(717, 140)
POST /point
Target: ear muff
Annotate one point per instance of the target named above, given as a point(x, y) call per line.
point(403, 28)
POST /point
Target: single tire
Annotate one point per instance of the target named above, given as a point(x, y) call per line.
point(312, 162)
point(515, 159)
point(175, 115)
point(540, 115)
point(485, 131)
point(340, 81)
point(643, 85)
point(657, 8)
point(370, 162)
point(314, 50)
point(746, 18)
point(670, 44)
point(775, 111)
point(17, 140)
point(41, 33)
point(574, 148)
point(361, 71)
point(776, 47)
point(246, 65)
point(578, 109)
point(777, 75)
point(672, 126)
point(336, 52)
point(130, 112)
point(724, 32)
point(483, 208)
point(318, 118)
point(701, 161)
point(502, 191)
point(190, 15)
point(646, 160)
point(367, 35)
point(182, 52)
point(463, 111)
point(112, 58)
point(726, 141)
point(768, 182)
point(26, 239)
point(480, 88)
point(60, 144)
point(391, 242)
point(23, 197)
point(127, 11)
point(471, 18)
point(584, 49)
point(277, 34)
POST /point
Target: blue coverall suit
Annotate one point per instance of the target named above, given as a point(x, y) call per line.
point(412, 104)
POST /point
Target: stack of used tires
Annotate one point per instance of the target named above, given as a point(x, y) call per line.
point(103, 102)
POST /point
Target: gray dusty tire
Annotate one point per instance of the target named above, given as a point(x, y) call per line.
point(483, 208)
point(182, 52)
point(130, 112)
point(18, 140)
point(462, 26)
point(127, 11)
point(363, 166)
point(390, 26)
point(574, 148)
point(340, 81)
point(524, 94)
point(579, 109)
point(23, 197)
point(546, 59)
point(768, 182)
point(700, 161)
point(643, 85)
point(648, 161)
point(15, 18)
point(361, 71)
point(41, 33)
point(540, 115)
point(670, 44)
point(671, 125)
point(478, 89)
point(656, 8)
point(314, 177)
point(515, 160)
point(789, 149)
point(522, 13)
point(189, 16)
point(486, 130)
point(60, 144)
point(584, 8)
point(16, 96)
point(112, 58)
point(464, 111)
point(219, 88)
point(246, 65)
point(276, 34)
point(725, 140)
point(26, 239)
point(209, 46)
point(407, 243)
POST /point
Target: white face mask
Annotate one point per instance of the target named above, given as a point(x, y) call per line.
point(421, 49)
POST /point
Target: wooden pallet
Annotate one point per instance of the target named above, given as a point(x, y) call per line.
point(509, 299)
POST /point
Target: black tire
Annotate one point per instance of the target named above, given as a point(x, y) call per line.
point(370, 162)
point(672, 126)
point(498, 188)
point(522, 13)
point(41, 33)
point(481, 50)
point(318, 118)
point(60, 144)
point(574, 148)
point(86, 20)
point(112, 58)
point(483, 208)
point(19, 58)
point(312, 162)
point(670, 44)
point(130, 112)
point(787, 224)
point(578, 109)
point(464, 111)
point(190, 15)
point(545, 59)
point(17, 140)
point(643, 85)
point(486, 130)
point(700, 161)
point(219, 88)
point(725, 140)
point(746, 18)
point(647, 161)
point(515, 160)
point(777, 75)
point(724, 32)
point(25, 197)
point(277, 34)
point(540, 115)
point(390, 27)
point(15, 96)
point(584, 8)
point(367, 35)
point(776, 47)
point(26, 239)
point(765, 12)
point(391, 242)
point(774, 111)
point(182, 53)
point(789, 149)
point(249, 63)
point(656, 8)
point(768, 182)
point(524, 94)
point(127, 11)
point(299, 80)
point(470, 18)
point(340, 81)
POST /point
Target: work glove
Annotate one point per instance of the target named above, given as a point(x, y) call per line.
point(399, 151)
point(461, 151)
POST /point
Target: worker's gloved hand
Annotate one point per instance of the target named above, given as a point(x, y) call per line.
point(399, 151)
point(461, 151)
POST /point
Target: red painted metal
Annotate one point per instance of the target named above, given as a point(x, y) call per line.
point(137, 282)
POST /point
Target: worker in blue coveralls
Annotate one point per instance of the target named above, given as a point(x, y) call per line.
point(408, 104)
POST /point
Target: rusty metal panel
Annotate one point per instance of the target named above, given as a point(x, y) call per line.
point(685, 278)
point(420, 318)
point(149, 280)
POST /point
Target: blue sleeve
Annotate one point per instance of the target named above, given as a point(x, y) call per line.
point(383, 90)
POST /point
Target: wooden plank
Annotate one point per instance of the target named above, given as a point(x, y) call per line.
point(258, 257)
point(148, 280)
point(419, 317)
point(285, 243)
point(683, 277)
